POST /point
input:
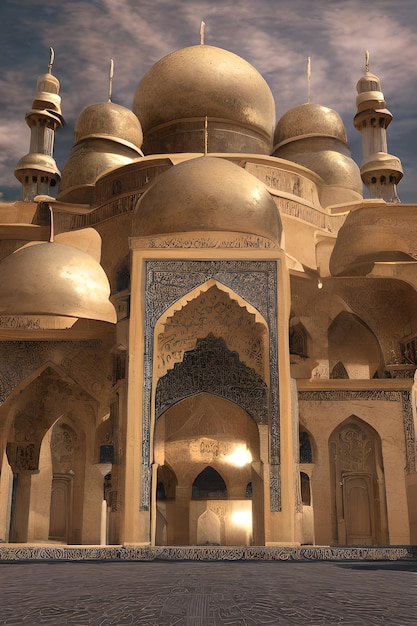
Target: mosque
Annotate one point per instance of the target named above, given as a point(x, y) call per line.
point(208, 331)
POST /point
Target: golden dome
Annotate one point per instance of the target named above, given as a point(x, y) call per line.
point(314, 136)
point(309, 120)
point(109, 121)
point(106, 135)
point(86, 163)
point(38, 162)
point(54, 279)
point(207, 194)
point(189, 84)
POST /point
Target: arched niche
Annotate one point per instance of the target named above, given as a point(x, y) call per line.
point(352, 343)
point(212, 308)
point(306, 446)
point(298, 341)
point(199, 438)
point(52, 416)
point(209, 529)
point(358, 484)
point(339, 371)
point(165, 505)
point(212, 368)
point(209, 484)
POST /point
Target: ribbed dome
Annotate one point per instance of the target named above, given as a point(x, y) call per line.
point(199, 81)
point(106, 135)
point(207, 194)
point(110, 121)
point(54, 279)
point(309, 120)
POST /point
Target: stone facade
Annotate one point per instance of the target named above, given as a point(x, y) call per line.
point(211, 344)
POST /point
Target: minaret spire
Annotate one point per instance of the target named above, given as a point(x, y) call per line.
point(367, 61)
point(380, 171)
point(308, 79)
point(37, 171)
point(111, 72)
point(202, 32)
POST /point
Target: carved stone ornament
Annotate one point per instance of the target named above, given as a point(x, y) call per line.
point(167, 281)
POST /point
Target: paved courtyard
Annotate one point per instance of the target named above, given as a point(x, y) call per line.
point(208, 593)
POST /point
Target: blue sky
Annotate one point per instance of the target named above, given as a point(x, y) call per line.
point(275, 36)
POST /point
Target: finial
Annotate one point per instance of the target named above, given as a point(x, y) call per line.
point(202, 29)
point(366, 61)
point(51, 59)
point(308, 79)
point(111, 79)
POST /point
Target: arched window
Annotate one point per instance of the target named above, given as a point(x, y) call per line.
point(305, 489)
point(339, 371)
point(298, 341)
point(209, 484)
point(306, 454)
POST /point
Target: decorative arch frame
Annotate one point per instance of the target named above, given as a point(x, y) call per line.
point(168, 285)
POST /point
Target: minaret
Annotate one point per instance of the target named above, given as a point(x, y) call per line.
point(380, 171)
point(37, 171)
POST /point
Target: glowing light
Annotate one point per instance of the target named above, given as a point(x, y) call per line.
point(242, 518)
point(240, 456)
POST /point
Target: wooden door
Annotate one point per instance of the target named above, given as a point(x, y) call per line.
point(358, 506)
point(60, 513)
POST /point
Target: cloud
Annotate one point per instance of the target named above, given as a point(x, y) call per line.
point(276, 37)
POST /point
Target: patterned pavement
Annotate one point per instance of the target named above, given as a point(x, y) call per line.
point(113, 593)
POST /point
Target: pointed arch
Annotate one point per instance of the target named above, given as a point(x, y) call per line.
point(358, 485)
point(216, 308)
point(307, 446)
point(339, 371)
point(209, 484)
point(212, 368)
point(208, 529)
point(353, 343)
point(298, 340)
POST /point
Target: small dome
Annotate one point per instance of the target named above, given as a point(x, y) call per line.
point(199, 81)
point(36, 162)
point(87, 162)
point(47, 96)
point(110, 121)
point(207, 194)
point(106, 135)
point(368, 82)
point(54, 279)
point(314, 136)
point(309, 120)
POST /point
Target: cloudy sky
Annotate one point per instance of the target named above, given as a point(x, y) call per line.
point(276, 36)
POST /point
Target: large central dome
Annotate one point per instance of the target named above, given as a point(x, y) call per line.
point(180, 90)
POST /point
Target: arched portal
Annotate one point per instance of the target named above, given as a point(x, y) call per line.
point(358, 485)
point(211, 447)
point(56, 492)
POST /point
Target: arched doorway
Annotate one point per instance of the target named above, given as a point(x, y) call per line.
point(207, 448)
point(48, 444)
point(359, 503)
